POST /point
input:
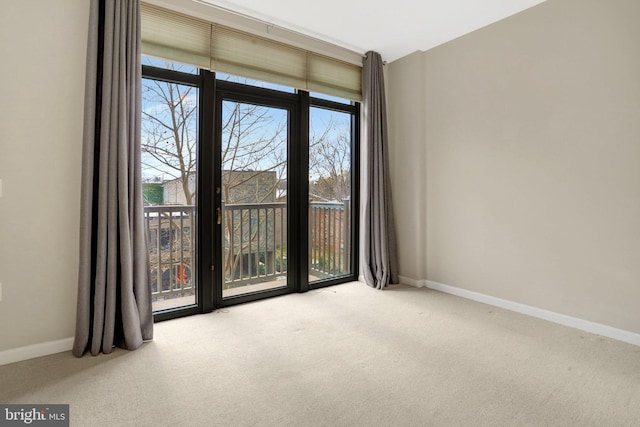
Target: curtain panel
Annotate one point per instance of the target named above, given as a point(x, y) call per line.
point(379, 254)
point(114, 296)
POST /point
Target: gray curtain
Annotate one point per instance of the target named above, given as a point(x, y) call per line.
point(379, 252)
point(114, 296)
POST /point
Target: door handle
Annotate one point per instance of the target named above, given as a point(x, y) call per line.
point(219, 215)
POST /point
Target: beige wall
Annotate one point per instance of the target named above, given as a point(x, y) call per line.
point(41, 105)
point(532, 139)
point(407, 160)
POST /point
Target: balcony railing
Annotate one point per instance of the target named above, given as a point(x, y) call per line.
point(255, 244)
point(171, 245)
point(329, 239)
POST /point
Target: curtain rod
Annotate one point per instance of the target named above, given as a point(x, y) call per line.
point(365, 57)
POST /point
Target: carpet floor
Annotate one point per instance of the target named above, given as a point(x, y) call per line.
point(346, 356)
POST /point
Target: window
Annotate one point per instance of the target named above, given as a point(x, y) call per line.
point(330, 193)
point(169, 157)
point(249, 179)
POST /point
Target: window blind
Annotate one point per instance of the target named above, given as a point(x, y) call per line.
point(177, 37)
point(174, 36)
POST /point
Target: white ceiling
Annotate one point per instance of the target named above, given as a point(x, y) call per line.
point(394, 28)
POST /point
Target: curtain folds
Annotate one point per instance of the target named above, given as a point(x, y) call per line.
point(114, 296)
point(379, 254)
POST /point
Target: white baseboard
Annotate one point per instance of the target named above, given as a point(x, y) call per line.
point(562, 319)
point(36, 350)
point(412, 282)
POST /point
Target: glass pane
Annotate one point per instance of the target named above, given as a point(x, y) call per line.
point(252, 82)
point(330, 98)
point(254, 198)
point(168, 142)
point(329, 194)
point(169, 65)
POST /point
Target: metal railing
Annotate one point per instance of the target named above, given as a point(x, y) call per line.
point(254, 246)
point(329, 239)
point(255, 243)
point(171, 244)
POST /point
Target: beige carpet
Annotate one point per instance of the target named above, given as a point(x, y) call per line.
point(346, 356)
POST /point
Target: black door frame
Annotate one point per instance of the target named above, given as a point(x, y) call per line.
point(235, 92)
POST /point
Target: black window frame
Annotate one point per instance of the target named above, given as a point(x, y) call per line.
point(210, 89)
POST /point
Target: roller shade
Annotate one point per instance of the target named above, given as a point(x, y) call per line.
point(174, 36)
point(245, 55)
point(333, 77)
point(177, 37)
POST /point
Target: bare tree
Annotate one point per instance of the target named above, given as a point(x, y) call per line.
point(330, 162)
point(254, 142)
point(169, 132)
